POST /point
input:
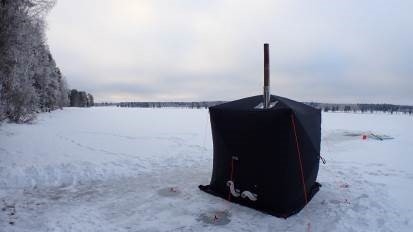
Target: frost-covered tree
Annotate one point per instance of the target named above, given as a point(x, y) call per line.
point(80, 98)
point(83, 99)
point(29, 78)
point(74, 98)
point(90, 101)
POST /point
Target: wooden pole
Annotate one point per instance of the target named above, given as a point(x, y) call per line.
point(266, 95)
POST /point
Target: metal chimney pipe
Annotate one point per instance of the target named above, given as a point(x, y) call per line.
point(266, 102)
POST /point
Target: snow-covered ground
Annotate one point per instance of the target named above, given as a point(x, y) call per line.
point(108, 169)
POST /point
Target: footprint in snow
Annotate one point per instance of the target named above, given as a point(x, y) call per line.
point(10, 210)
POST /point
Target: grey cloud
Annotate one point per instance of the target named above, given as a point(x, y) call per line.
point(344, 51)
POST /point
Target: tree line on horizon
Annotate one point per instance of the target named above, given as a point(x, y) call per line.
point(30, 81)
point(198, 105)
point(363, 108)
point(325, 107)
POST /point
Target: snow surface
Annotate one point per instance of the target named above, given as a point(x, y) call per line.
point(109, 169)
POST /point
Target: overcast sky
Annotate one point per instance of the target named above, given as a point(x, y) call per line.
point(343, 51)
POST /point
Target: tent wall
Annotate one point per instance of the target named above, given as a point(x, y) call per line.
point(267, 161)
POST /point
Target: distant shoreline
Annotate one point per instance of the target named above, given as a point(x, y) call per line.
point(326, 107)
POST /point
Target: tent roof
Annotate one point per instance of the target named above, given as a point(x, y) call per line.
point(307, 116)
point(251, 103)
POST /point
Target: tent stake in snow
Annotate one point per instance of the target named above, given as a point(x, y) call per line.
point(266, 102)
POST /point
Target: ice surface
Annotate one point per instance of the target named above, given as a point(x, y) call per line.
point(132, 169)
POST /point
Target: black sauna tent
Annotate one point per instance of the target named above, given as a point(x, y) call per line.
point(263, 156)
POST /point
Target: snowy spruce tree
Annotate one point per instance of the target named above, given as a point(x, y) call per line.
point(30, 81)
point(80, 98)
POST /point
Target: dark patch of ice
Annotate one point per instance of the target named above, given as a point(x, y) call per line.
point(169, 192)
point(218, 218)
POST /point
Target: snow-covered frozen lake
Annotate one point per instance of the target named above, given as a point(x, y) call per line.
point(108, 169)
